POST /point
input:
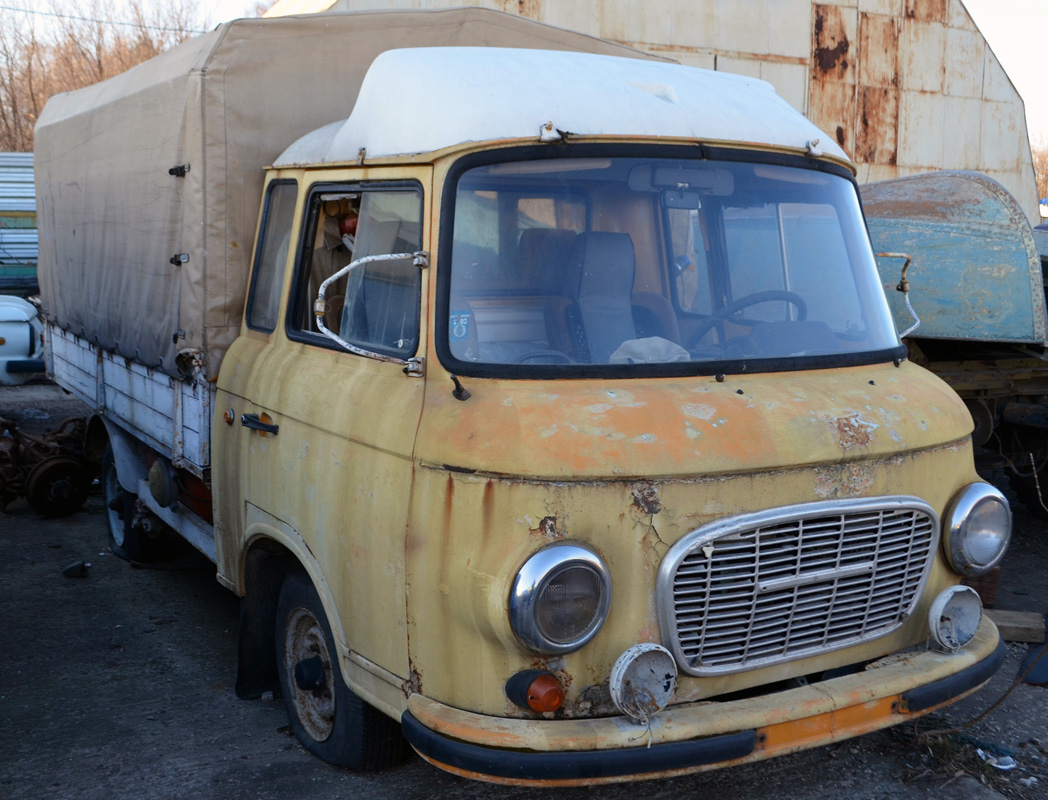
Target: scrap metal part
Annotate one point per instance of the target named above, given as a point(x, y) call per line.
point(49, 470)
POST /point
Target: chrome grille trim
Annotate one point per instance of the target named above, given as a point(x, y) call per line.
point(779, 585)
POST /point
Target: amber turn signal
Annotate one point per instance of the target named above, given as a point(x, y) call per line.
point(545, 694)
point(535, 690)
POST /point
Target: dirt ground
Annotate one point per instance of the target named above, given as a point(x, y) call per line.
point(120, 685)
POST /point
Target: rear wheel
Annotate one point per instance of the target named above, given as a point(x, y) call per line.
point(125, 540)
point(327, 717)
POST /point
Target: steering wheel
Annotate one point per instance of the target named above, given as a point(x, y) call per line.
point(728, 312)
point(557, 355)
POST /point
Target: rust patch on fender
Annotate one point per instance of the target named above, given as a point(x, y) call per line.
point(851, 480)
point(412, 685)
point(646, 498)
point(547, 528)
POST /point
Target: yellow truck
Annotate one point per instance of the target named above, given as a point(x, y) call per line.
point(555, 422)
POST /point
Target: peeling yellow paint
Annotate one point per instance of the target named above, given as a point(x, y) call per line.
point(700, 411)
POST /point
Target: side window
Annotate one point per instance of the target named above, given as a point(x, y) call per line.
point(375, 305)
point(266, 281)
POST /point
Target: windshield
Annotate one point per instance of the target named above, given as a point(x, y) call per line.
point(571, 263)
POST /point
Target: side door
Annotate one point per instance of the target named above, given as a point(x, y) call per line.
point(274, 257)
point(328, 428)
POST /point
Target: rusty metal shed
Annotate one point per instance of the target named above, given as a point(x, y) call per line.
point(905, 86)
point(18, 234)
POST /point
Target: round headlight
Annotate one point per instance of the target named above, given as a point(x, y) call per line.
point(560, 599)
point(978, 529)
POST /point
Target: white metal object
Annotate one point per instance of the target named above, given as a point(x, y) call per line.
point(586, 94)
point(642, 681)
point(954, 617)
point(20, 346)
point(320, 305)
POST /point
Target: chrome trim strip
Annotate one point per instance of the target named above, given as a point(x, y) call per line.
point(809, 578)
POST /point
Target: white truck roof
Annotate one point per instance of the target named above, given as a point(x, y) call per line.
point(418, 100)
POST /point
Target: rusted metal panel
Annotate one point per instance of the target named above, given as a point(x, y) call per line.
point(831, 106)
point(976, 273)
point(927, 10)
point(922, 129)
point(832, 35)
point(878, 50)
point(922, 65)
point(877, 132)
point(964, 56)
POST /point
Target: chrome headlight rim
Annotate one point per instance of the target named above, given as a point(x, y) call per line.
point(963, 505)
point(533, 578)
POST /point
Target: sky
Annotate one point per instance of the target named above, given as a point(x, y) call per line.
point(222, 10)
point(1017, 31)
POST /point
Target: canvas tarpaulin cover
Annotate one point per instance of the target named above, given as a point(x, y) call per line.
point(146, 263)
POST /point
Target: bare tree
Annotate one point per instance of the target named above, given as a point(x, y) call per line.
point(75, 44)
point(1040, 166)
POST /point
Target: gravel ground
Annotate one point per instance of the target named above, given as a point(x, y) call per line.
point(120, 684)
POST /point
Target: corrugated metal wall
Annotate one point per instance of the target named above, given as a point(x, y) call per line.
point(906, 86)
point(18, 215)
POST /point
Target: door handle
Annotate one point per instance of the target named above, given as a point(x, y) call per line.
point(255, 423)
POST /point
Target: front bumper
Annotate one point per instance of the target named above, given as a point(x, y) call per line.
point(702, 735)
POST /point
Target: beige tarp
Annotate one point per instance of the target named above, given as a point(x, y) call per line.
point(227, 103)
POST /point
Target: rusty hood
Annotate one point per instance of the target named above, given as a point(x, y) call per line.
point(651, 428)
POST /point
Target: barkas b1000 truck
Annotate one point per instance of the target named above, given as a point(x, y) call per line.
point(556, 418)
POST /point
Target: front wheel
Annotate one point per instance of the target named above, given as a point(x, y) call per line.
point(326, 716)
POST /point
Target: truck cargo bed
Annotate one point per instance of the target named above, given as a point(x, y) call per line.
point(172, 416)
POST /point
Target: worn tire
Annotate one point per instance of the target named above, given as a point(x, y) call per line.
point(125, 540)
point(327, 717)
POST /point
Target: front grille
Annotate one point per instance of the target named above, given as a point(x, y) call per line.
point(793, 582)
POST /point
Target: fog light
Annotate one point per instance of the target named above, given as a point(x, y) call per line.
point(954, 617)
point(535, 689)
point(642, 681)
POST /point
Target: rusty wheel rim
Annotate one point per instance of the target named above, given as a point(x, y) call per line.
point(57, 486)
point(304, 639)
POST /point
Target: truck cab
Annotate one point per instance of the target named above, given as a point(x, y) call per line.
point(576, 435)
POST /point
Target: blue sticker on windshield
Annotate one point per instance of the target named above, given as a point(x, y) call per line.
point(459, 327)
